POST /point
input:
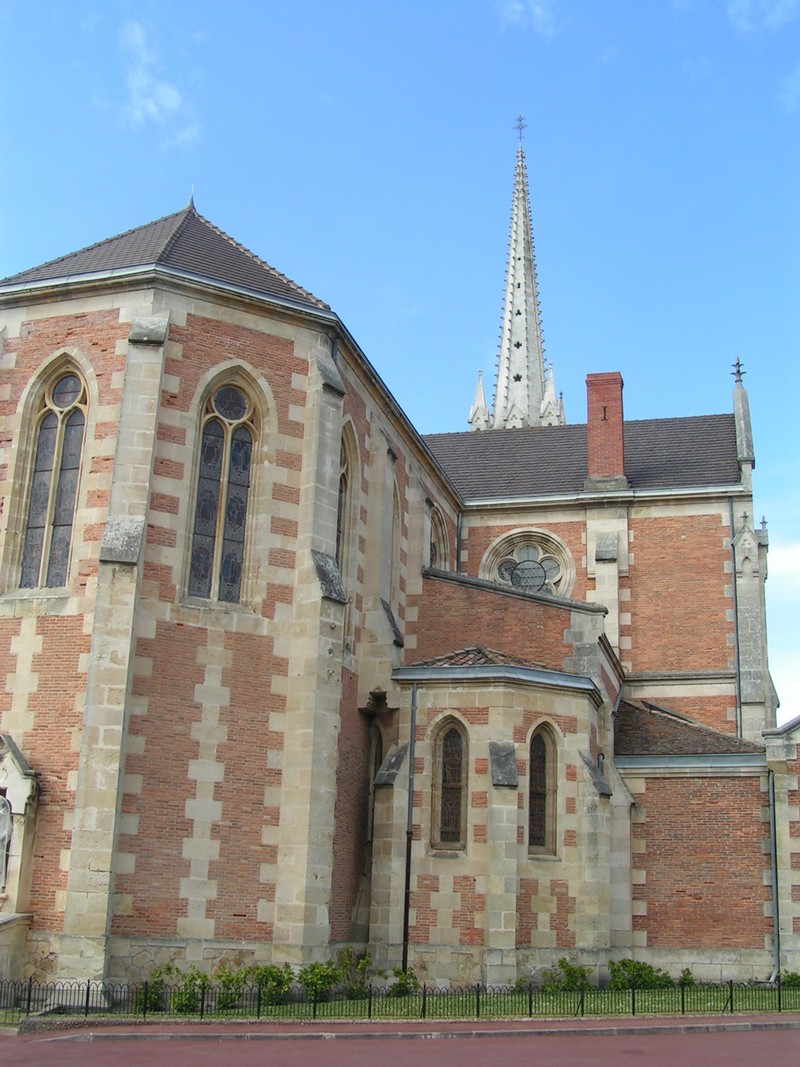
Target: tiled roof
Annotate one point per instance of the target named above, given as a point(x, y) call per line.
point(644, 729)
point(689, 452)
point(477, 657)
point(184, 241)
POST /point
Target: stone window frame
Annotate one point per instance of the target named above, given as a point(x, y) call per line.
point(443, 730)
point(507, 545)
point(542, 797)
point(438, 554)
point(35, 404)
point(259, 418)
point(347, 513)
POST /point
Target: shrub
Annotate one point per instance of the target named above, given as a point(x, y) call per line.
point(686, 978)
point(186, 996)
point(790, 980)
point(274, 982)
point(152, 994)
point(405, 982)
point(633, 974)
point(355, 969)
point(230, 984)
point(566, 976)
point(319, 980)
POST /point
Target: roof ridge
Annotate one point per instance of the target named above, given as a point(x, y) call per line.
point(257, 259)
point(189, 210)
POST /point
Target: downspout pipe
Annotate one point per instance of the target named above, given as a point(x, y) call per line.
point(773, 854)
point(409, 825)
point(737, 663)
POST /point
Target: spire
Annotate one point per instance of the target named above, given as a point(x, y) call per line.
point(524, 392)
point(479, 413)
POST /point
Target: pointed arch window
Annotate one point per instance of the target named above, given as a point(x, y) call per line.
point(542, 793)
point(450, 787)
point(437, 551)
point(61, 423)
point(223, 489)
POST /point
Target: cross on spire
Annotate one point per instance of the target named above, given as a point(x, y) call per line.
point(519, 126)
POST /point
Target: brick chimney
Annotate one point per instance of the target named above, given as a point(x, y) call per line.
point(605, 446)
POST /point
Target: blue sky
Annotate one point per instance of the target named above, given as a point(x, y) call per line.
point(366, 149)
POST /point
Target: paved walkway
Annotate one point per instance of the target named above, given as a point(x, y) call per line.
point(728, 1041)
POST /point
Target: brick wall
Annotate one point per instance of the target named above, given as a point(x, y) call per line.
point(454, 616)
point(702, 846)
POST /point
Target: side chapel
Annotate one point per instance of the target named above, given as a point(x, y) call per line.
point(282, 675)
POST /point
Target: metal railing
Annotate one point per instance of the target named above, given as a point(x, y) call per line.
point(205, 999)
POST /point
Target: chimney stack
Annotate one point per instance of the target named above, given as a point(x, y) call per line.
point(605, 444)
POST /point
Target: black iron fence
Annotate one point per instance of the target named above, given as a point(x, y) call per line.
point(202, 998)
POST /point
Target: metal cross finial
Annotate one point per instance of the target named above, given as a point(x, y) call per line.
point(737, 371)
point(519, 126)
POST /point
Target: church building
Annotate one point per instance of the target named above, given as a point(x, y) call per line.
point(281, 675)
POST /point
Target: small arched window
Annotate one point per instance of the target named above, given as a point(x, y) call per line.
point(51, 506)
point(223, 488)
point(542, 793)
point(450, 787)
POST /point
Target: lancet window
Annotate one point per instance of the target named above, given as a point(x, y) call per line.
point(54, 486)
point(228, 436)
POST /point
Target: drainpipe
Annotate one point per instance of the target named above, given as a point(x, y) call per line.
point(773, 855)
point(458, 544)
point(409, 818)
point(736, 628)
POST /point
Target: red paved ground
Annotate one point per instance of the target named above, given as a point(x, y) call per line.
point(553, 1045)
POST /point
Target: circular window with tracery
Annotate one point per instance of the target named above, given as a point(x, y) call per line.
point(532, 561)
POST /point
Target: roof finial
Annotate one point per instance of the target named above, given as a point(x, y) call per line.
point(520, 125)
point(737, 371)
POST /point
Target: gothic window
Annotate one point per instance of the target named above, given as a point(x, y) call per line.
point(450, 787)
point(541, 793)
point(532, 561)
point(54, 485)
point(223, 487)
point(437, 554)
point(394, 562)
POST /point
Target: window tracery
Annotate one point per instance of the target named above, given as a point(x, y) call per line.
point(223, 486)
point(54, 485)
point(531, 560)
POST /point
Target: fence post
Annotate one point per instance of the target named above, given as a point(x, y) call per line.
point(478, 1001)
point(144, 1000)
point(369, 1001)
point(313, 1003)
point(530, 1000)
point(424, 1002)
point(633, 1000)
point(730, 984)
point(88, 995)
point(258, 1002)
point(583, 1001)
point(30, 995)
point(683, 998)
point(779, 992)
point(202, 999)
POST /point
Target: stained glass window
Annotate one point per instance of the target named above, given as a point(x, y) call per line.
point(450, 788)
point(541, 793)
point(54, 485)
point(223, 487)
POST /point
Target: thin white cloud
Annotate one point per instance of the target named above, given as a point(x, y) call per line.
point(754, 16)
point(151, 98)
point(538, 15)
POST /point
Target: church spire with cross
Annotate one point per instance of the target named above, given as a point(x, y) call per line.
point(524, 386)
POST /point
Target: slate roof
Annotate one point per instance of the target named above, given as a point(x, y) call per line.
point(690, 452)
point(478, 657)
point(186, 242)
point(645, 729)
